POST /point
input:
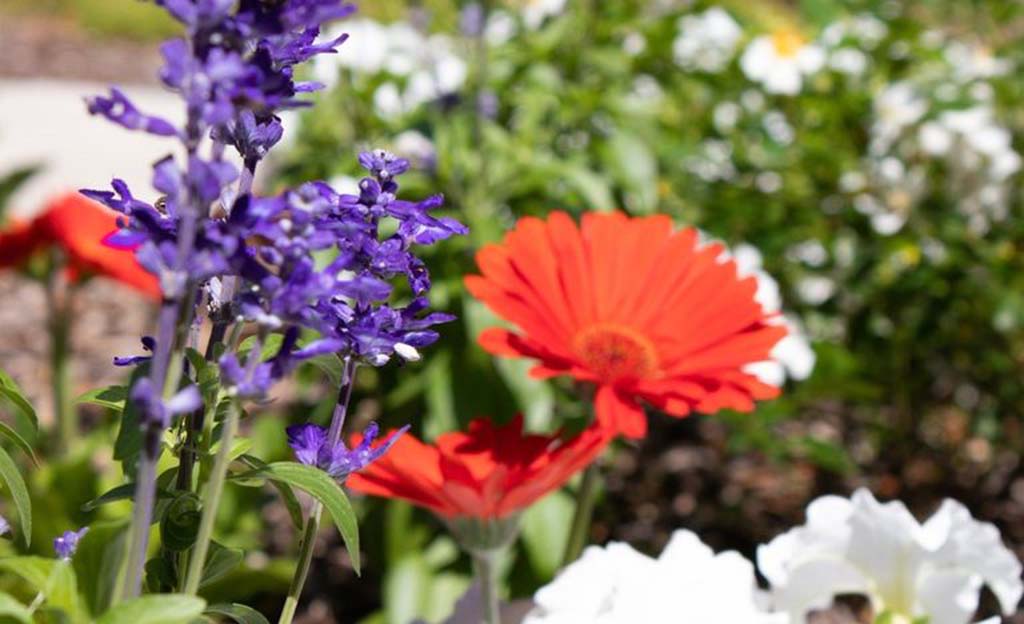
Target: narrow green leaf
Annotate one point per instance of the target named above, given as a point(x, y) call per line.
point(54, 579)
point(8, 432)
point(14, 610)
point(13, 394)
point(10, 182)
point(237, 612)
point(545, 531)
point(156, 609)
point(326, 490)
point(111, 397)
point(122, 492)
point(97, 563)
point(19, 493)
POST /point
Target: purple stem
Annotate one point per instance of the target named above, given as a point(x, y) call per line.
point(344, 397)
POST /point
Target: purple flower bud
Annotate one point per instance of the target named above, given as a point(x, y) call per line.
point(67, 544)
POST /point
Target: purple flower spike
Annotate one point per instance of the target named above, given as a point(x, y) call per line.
point(120, 110)
point(67, 544)
point(311, 447)
point(5, 527)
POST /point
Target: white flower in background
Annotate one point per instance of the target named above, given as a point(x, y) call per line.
point(426, 67)
point(706, 42)
point(792, 356)
point(974, 61)
point(849, 61)
point(415, 146)
point(500, 28)
point(688, 582)
point(780, 61)
point(896, 108)
point(713, 162)
point(860, 546)
point(866, 30)
point(534, 12)
point(977, 129)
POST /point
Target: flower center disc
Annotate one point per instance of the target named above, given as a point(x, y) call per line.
point(614, 352)
point(787, 43)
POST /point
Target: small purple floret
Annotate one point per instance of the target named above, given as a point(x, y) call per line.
point(67, 544)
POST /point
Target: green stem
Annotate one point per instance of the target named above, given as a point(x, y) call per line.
point(58, 301)
point(211, 501)
point(313, 523)
point(485, 565)
point(291, 603)
point(585, 499)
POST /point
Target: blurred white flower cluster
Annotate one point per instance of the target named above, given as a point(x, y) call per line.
point(416, 68)
point(910, 572)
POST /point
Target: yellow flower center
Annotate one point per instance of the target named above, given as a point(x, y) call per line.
point(614, 352)
point(787, 42)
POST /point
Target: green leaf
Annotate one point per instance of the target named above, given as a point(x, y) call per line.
point(10, 182)
point(331, 365)
point(593, 188)
point(111, 397)
point(237, 612)
point(122, 492)
point(545, 531)
point(11, 609)
point(291, 502)
point(635, 168)
point(53, 578)
point(8, 432)
point(19, 493)
point(97, 562)
point(326, 490)
point(14, 396)
point(179, 524)
point(219, 562)
point(158, 609)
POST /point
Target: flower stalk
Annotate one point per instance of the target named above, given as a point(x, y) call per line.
point(582, 517)
point(485, 566)
point(211, 498)
point(316, 511)
point(59, 316)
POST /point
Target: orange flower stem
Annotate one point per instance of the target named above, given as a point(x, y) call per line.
point(485, 565)
point(586, 496)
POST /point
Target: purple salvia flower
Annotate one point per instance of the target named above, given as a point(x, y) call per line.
point(5, 527)
point(311, 447)
point(67, 544)
point(120, 110)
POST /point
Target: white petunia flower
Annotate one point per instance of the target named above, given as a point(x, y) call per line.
point(860, 546)
point(688, 582)
point(706, 42)
point(781, 60)
point(792, 356)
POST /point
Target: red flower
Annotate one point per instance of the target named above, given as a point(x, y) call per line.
point(78, 226)
point(644, 312)
point(489, 472)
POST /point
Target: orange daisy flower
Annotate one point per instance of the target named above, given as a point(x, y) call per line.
point(489, 472)
point(78, 226)
point(642, 311)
